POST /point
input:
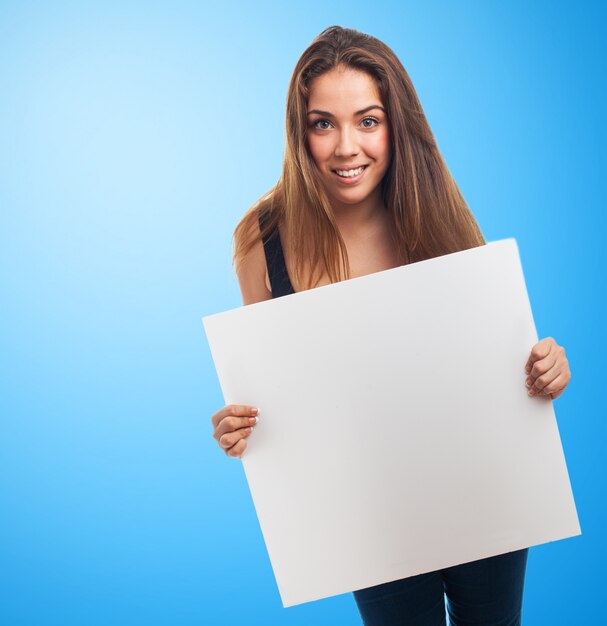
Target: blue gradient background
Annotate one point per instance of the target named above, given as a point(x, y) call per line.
point(133, 135)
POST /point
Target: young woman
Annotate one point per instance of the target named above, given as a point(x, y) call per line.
point(364, 188)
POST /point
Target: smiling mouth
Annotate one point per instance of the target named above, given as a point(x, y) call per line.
point(351, 173)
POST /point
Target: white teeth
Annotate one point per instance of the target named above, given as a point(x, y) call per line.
point(350, 173)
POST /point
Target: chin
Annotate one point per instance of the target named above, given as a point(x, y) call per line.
point(352, 198)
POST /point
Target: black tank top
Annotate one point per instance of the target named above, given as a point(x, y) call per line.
point(275, 260)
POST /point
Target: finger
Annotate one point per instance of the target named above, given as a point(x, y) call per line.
point(539, 351)
point(535, 386)
point(558, 385)
point(230, 439)
point(543, 367)
point(237, 449)
point(239, 410)
point(230, 424)
point(554, 387)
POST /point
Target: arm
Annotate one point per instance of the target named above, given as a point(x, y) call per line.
point(253, 274)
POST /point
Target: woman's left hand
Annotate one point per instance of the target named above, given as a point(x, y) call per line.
point(547, 369)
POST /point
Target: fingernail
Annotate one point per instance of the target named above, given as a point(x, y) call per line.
point(253, 420)
point(531, 392)
point(255, 411)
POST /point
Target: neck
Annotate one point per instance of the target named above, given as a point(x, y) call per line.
point(354, 218)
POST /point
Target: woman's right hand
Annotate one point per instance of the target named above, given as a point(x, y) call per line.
point(232, 425)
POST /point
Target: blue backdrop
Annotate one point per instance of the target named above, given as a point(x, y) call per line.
point(133, 135)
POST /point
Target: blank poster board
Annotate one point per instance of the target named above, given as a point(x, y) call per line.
point(395, 435)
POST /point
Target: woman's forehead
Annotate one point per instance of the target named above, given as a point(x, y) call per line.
point(347, 89)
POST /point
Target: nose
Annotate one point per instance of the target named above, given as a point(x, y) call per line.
point(347, 143)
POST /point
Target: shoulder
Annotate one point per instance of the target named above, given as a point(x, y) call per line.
point(250, 261)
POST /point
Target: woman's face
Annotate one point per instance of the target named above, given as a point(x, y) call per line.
point(347, 131)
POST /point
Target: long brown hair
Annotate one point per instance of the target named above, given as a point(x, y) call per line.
point(429, 215)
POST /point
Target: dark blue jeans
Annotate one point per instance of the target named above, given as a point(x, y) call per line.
point(488, 592)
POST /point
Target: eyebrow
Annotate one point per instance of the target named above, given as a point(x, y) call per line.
point(327, 114)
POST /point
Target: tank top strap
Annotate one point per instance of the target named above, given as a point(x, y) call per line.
point(275, 261)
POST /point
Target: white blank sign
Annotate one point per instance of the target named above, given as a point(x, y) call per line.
point(395, 435)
